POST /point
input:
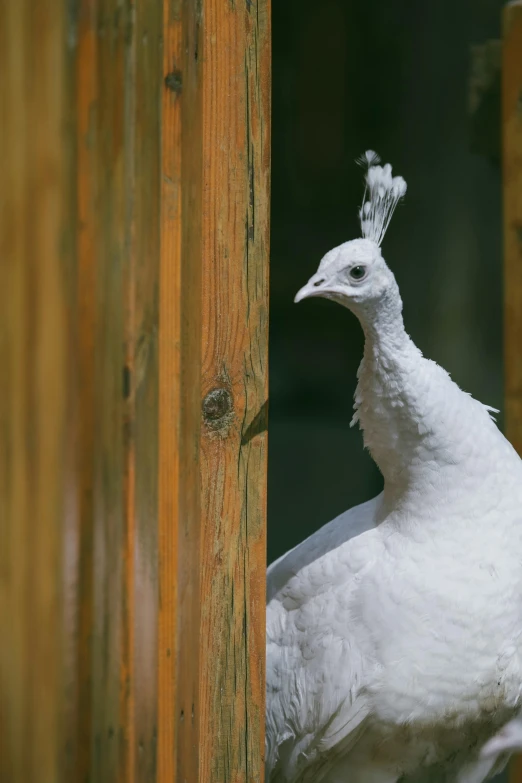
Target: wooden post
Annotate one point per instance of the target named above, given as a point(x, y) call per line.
point(235, 215)
point(37, 332)
point(134, 307)
point(180, 397)
point(512, 178)
point(512, 189)
point(119, 85)
point(213, 454)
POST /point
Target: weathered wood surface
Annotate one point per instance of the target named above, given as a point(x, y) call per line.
point(512, 187)
point(180, 397)
point(215, 253)
point(37, 324)
point(86, 97)
point(235, 92)
point(512, 192)
point(119, 165)
point(134, 292)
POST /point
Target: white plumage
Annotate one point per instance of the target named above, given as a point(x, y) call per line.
point(394, 632)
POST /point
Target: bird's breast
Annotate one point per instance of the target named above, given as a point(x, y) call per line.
point(445, 636)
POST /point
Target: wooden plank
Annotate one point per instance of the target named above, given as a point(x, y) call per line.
point(36, 404)
point(87, 239)
point(512, 187)
point(143, 187)
point(169, 353)
point(171, 485)
point(180, 395)
point(512, 192)
point(213, 390)
point(118, 79)
point(235, 223)
point(170, 333)
point(110, 647)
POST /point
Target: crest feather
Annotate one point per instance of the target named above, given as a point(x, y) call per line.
point(367, 159)
point(382, 193)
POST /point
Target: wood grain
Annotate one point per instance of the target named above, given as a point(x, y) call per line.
point(110, 644)
point(180, 372)
point(87, 238)
point(133, 429)
point(143, 125)
point(36, 403)
point(512, 192)
point(512, 189)
point(213, 390)
point(119, 154)
point(235, 220)
point(169, 390)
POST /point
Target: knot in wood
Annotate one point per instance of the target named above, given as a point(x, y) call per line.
point(174, 81)
point(217, 404)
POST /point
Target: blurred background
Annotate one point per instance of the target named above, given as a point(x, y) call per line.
point(417, 82)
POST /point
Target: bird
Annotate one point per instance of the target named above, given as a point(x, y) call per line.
point(393, 633)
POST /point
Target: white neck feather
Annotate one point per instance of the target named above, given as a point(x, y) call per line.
point(416, 421)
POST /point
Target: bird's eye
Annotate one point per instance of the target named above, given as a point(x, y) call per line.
point(357, 272)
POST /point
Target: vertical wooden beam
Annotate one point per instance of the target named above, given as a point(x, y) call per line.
point(37, 326)
point(87, 239)
point(180, 349)
point(169, 384)
point(180, 395)
point(144, 188)
point(213, 389)
point(119, 152)
point(512, 191)
point(110, 649)
point(153, 347)
point(512, 179)
point(235, 222)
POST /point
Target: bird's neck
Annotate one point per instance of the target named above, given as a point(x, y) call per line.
point(416, 421)
point(383, 394)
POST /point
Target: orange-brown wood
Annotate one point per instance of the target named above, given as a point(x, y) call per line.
point(512, 188)
point(180, 371)
point(235, 218)
point(213, 390)
point(188, 630)
point(512, 191)
point(110, 636)
point(515, 769)
point(37, 508)
point(119, 153)
point(169, 353)
point(142, 423)
point(134, 228)
point(86, 97)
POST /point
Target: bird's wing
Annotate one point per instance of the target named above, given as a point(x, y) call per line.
point(316, 667)
point(316, 707)
point(347, 525)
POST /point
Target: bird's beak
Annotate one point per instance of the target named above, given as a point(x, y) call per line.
point(325, 291)
point(313, 288)
point(305, 291)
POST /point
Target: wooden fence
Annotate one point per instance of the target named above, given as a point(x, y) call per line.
point(133, 341)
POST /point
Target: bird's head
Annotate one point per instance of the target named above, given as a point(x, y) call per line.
point(351, 274)
point(355, 273)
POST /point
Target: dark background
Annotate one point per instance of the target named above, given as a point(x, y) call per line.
point(396, 77)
